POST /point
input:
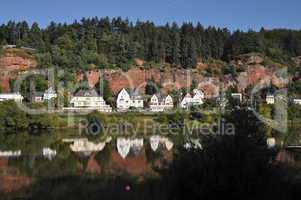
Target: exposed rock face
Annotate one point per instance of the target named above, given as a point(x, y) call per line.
point(175, 79)
point(258, 74)
point(4, 81)
point(136, 78)
point(210, 86)
point(12, 60)
point(139, 62)
point(249, 59)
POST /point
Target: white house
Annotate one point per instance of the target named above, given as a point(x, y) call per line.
point(125, 101)
point(270, 99)
point(89, 100)
point(11, 96)
point(237, 96)
point(159, 103)
point(38, 98)
point(297, 101)
point(49, 94)
point(46, 96)
point(195, 100)
point(198, 96)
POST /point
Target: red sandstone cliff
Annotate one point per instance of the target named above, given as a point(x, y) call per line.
point(13, 61)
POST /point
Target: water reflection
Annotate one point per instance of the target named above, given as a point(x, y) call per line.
point(79, 155)
point(156, 140)
point(10, 153)
point(49, 153)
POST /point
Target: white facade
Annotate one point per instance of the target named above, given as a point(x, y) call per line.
point(198, 97)
point(125, 145)
point(90, 100)
point(11, 96)
point(49, 94)
point(38, 98)
point(159, 104)
point(270, 99)
point(125, 101)
point(237, 96)
point(195, 100)
point(156, 140)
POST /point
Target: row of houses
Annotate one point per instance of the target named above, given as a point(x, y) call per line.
point(271, 99)
point(126, 100)
point(158, 102)
point(40, 97)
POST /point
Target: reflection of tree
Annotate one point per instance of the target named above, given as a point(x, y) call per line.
point(104, 157)
point(233, 166)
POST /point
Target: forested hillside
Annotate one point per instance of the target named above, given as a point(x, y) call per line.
point(117, 42)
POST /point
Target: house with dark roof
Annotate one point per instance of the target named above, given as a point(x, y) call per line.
point(126, 100)
point(159, 103)
point(89, 99)
point(195, 100)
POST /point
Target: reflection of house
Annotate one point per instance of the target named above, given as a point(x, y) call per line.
point(49, 153)
point(10, 153)
point(193, 144)
point(84, 146)
point(90, 100)
point(126, 100)
point(155, 140)
point(237, 96)
point(159, 103)
point(195, 100)
point(270, 99)
point(124, 146)
point(297, 101)
point(11, 97)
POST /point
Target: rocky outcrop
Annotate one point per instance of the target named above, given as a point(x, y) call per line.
point(138, 62)
point(174, 79)
point(168, 79)
point(13, 61)
point(248, 59)
point(16, 60)
point(258, 74)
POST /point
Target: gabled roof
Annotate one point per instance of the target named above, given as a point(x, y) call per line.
point(161, 97)
point(50, 91)
point(133, 94)
point(87, 93)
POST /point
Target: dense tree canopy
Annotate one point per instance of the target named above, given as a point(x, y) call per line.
point(116, 42)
